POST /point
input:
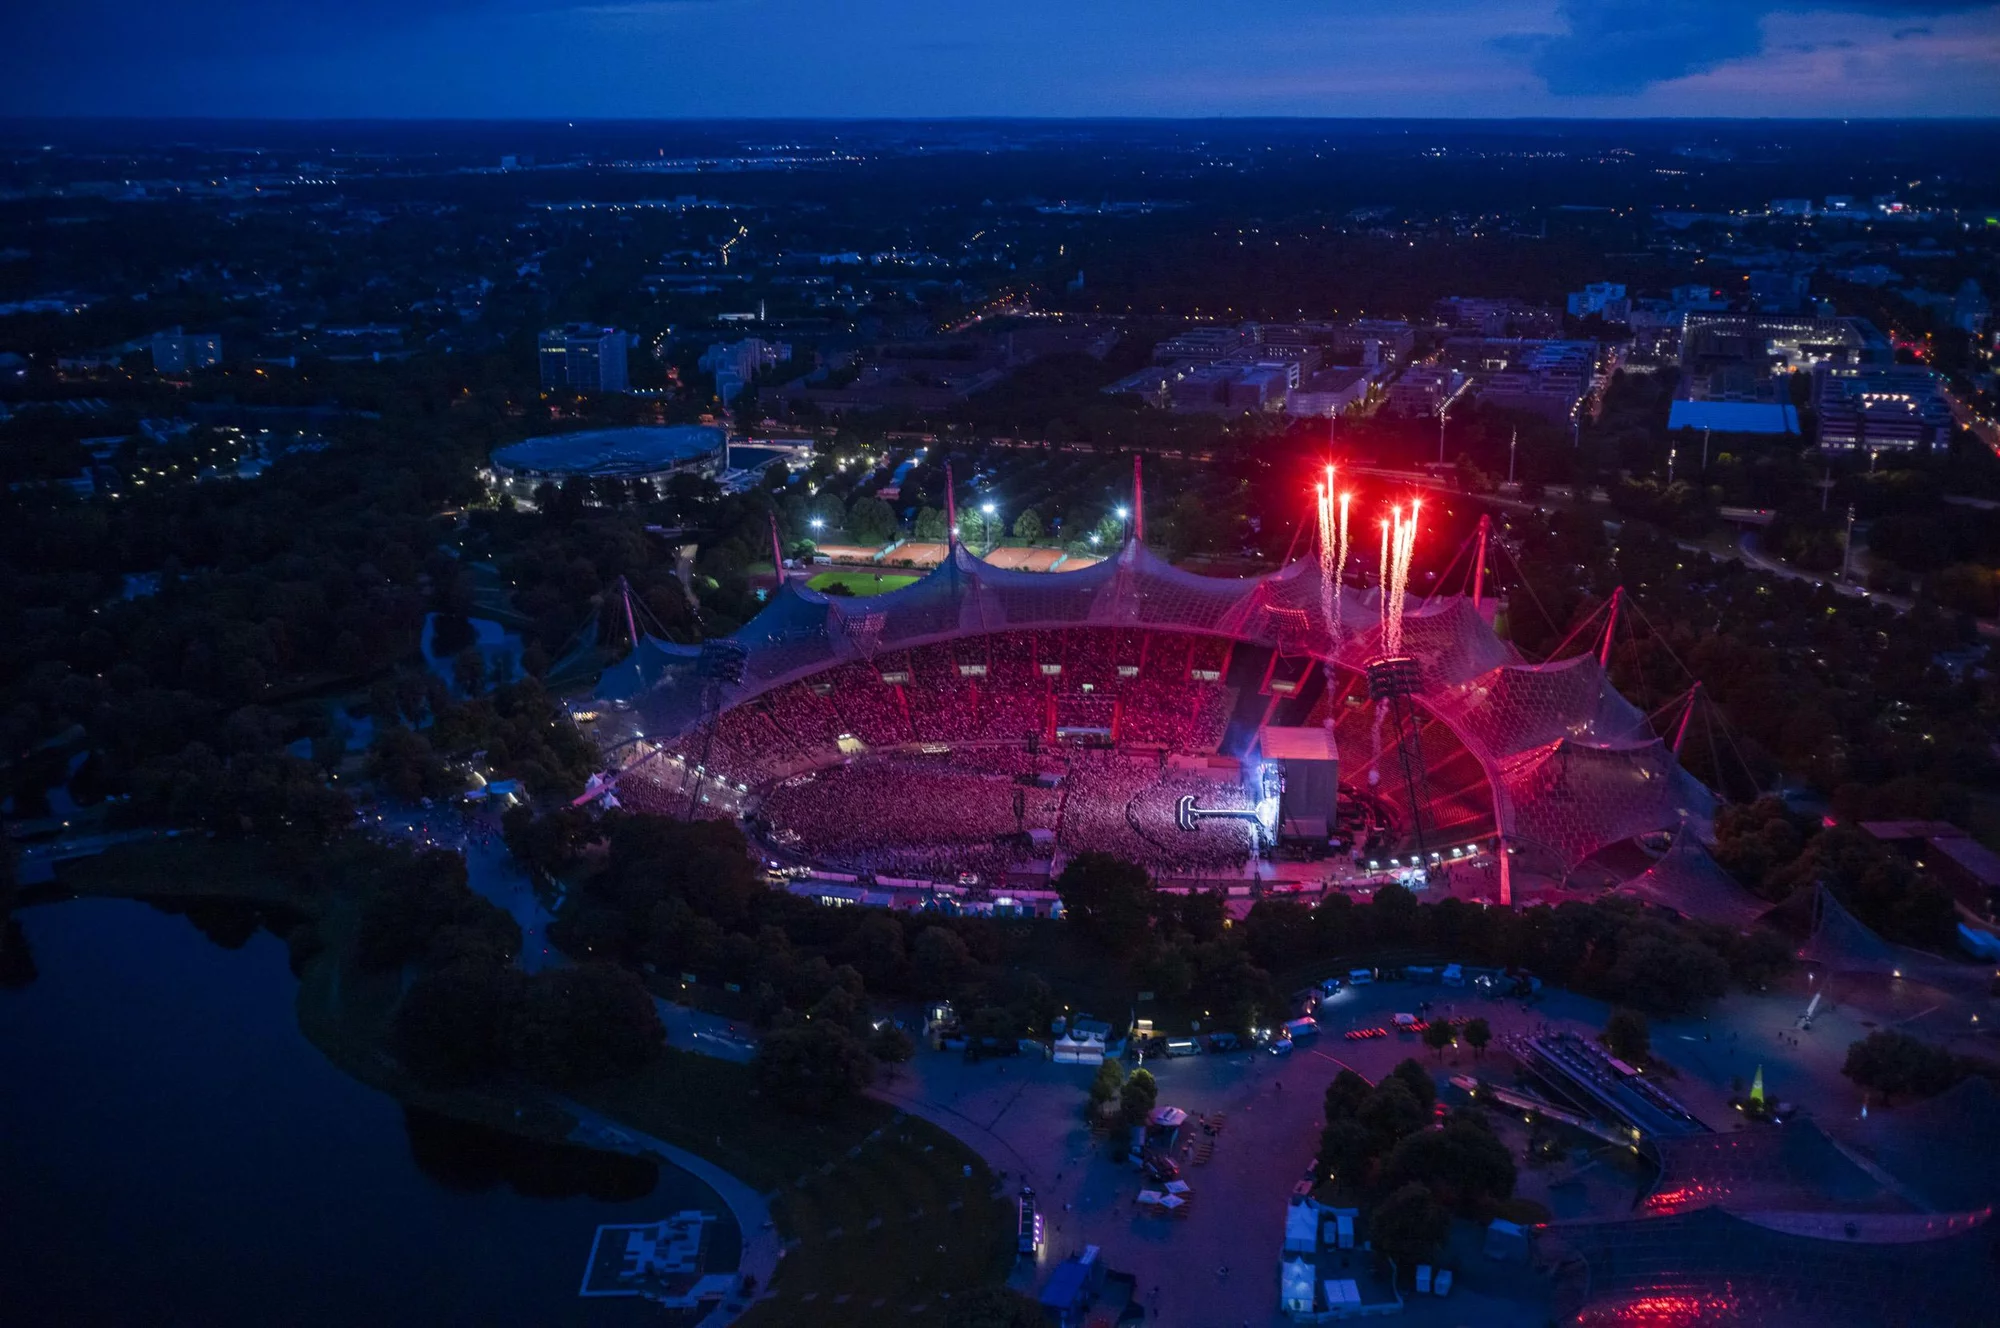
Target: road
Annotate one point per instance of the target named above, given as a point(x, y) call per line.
point(1746, 548)
point(762, 1248)
point(1985, 429)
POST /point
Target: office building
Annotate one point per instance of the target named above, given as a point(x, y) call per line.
point(1205, 344)
point(1880, 408)
point(1498, 318)
point(736, 364)
point(1424, 388)
point(1330, 392)
point(583, 358)
point(1606, 299)
point(175, 351)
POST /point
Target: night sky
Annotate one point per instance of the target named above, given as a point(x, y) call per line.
point(673, 58)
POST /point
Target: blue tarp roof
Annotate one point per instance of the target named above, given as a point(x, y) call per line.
point(1066, 1285)
point(1733, 417)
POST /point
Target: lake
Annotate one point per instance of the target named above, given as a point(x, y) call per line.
point(173, 1151)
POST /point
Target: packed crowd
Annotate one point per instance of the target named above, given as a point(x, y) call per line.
point(950, 815)
point(1008, 687)
point(910, 814)
point(1125, 805)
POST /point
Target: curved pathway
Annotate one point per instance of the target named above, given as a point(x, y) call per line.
point(761, 1247)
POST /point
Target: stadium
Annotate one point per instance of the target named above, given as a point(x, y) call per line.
point(981, 726)
point(640, 452)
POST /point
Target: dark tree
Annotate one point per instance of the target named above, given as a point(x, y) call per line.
point(1107, 898)
point(812, 1068)
point(992, 1307)
point(576, 1025)
point(1897, 1065)
point(1347, 1151)
point(1391, 1112)
point(1139, 1096)
point(891, 1045)
point(938, 962)
point(1409, 1225)
point(1627, 1037)
point(17, 960)
point(1107, 1084)
point(1463, 1163)
point(1477, 1034)
point(1418, 1080)
point(1345, 1094)
point(1438, 1036)
point(447, 1028)
point(425, 910)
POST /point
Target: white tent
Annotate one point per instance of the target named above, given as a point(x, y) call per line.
point(1295, 1286)
point(1302, 1228)
point(1166, 1118)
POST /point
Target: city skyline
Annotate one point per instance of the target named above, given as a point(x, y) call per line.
point(889, 58)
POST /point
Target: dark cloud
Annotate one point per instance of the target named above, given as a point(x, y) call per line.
point(1620, 47)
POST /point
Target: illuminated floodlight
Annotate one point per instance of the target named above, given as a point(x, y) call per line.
point(1124, 512)
point(818, 522)
point(987, 508)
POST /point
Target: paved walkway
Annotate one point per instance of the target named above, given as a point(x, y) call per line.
point(761, 1246)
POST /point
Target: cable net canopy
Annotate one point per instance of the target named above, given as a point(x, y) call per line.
point(1712, 1267)
point(1521, 706)
point(1449, 640)
point(1841, 941)
point(1577, 798)
point(1687, 880)
point(1551, 752)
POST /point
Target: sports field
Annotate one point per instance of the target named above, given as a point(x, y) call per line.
point(861, 583)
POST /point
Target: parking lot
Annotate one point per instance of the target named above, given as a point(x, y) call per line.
point(1025, 1114)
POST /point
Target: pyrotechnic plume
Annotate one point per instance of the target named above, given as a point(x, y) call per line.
point(1340, 558)
point(1332, 554)
point(1382, 586)
point(1398, 547)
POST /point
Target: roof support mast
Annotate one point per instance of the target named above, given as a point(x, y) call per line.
point(1479, 559)
point(1610, 626)
point(1138, 502)
point(631, 623)
point(1680, 734)
point(777, 553)
point(950, 511)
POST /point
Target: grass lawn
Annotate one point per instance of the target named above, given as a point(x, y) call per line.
point(862, 583)
point(191, 868)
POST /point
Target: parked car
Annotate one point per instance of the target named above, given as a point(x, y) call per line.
point(1159, 1167)
point(1224, 1042)
point(1183, 1047)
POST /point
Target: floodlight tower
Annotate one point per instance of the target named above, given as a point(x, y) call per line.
point(721, 663)
point(1392, 681)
